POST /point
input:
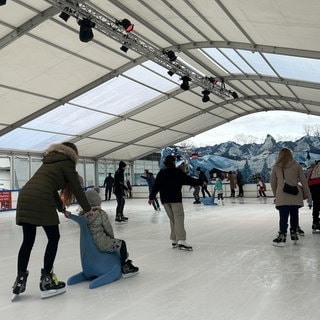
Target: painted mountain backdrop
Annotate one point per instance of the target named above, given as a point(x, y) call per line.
point(252, 159)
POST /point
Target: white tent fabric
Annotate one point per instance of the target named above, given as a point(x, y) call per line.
point(118, 105)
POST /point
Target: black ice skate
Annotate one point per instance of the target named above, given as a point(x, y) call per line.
point(280, 240)
point(315, 228)
point(294, 236)
point(182, 245)
point(19, 285)
point(128, 269)
point(50, 286)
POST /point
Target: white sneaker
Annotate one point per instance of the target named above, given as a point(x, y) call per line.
point(182, 245)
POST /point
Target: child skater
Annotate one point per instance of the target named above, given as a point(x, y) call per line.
point(219, 189)
point(102, 233)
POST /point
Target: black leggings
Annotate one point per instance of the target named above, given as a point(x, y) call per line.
point(29, 236)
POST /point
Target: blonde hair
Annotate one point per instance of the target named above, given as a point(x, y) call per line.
point(285, 155)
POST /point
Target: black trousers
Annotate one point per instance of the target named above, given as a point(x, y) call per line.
point(29, 236)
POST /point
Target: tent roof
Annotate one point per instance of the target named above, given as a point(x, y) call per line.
point(118, 105)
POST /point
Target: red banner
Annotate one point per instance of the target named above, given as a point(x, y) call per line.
point(5, 200)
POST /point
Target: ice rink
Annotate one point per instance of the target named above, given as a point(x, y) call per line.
point(233, 273)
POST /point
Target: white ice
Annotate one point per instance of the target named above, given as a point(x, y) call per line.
point(234, 272)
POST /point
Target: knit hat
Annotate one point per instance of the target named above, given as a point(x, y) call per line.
point(93, 198)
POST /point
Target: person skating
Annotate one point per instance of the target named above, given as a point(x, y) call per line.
point(37, 206)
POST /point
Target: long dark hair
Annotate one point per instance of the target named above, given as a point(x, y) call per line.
point(67, 193)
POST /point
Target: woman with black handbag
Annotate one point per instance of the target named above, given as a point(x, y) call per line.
point(287, 171)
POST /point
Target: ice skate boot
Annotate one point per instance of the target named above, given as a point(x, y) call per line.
point(50, 286)
point(174, 244)
point(19, 285)
point(124, 219)
point(294, 236)
point(128, 269)
point(118, 218)
point(300, 232)
point(182, 245)
point(315, 228)
point(280, 240)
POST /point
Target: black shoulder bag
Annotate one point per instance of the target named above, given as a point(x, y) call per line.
point(287, 188)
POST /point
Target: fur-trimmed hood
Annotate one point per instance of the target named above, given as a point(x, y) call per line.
point(57, 152)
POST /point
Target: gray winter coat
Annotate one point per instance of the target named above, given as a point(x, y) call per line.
point(102, 232)
point(39, 200)
point(293, 174)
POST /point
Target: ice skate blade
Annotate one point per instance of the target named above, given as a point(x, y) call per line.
point(14, 296)
point(280, 245)
point(51, 293)
point(316, 231)
point(184, 248)
point(129, 275)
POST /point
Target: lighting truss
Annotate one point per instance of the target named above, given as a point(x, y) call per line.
point(112, 29)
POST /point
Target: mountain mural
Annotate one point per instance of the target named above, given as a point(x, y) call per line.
point(251, 159)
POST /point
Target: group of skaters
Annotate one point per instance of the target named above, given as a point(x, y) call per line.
point(40, 200)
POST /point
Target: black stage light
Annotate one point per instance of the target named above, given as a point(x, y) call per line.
point(235, 95)
point(3, 2)
point(86, 34)
point(64, 16)
point(124, 48)
point(170, 73)
point(171, 55)
point(205, 97)
point(126, 24)
point(185, 83)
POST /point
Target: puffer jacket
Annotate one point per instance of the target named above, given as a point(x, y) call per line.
point(102, 232)
point(293, 174)
point(39, 200)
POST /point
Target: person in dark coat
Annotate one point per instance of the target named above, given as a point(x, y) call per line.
point(149, 177)
point(119, 189)
point(169, 182)
point(204, 188)
point(37, 205)
point(108, 184)
point(240, 183)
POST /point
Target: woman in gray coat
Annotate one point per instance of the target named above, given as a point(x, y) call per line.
point(37, 205)
point(286, 169)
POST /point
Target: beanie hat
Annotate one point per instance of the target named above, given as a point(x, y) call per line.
point(93, 198)
point(198, 169)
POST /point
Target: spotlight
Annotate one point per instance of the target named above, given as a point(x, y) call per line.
point(86, 33)
point(213, 80)
point(235, 95)
point(205, 97)
point(170, 73)
point(64, 16)
point(3, 2)
point(171, 55)
point(126, 24)
point(185, 83)
point(124, 48)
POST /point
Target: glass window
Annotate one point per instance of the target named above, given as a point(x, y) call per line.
point(90, 176)
point(5, 169)
point(35, 165)
point(21, 172)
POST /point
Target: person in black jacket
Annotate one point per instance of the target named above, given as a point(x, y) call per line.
point(119, 189)
point(108, 184)
point(203, 177)
point(169, 182)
